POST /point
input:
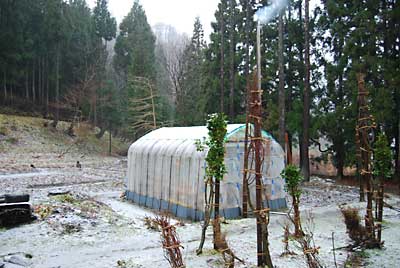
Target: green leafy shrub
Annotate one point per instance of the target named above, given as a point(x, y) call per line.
point(293, 179)
point(382, 163)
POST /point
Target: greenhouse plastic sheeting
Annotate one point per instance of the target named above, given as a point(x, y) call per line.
point(166, 172)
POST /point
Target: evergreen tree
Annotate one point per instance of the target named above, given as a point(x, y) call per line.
point(134, 48)
point(356, 45)
point(104, 23)
point(136, 63)
point(191, 102)
point(222, 61)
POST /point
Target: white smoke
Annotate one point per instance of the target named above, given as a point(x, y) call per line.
point(267, 13)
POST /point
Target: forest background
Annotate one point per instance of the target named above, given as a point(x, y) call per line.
point(64, 61)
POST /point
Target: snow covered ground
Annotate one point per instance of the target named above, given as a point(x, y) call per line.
point(94, 227)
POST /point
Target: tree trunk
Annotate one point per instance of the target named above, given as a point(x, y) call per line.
point(305, 168)
point(57, 113)
point(207, 212)
point(297, 223)
point(222, 63)
point(364, 127)
point(397, 154)
point(245, 192)
point(216, 210)
point(5, 85)
point(289, 96)
point(39, 97)
point(338, 146)
point(11, 93)
point(27, 85)
point(396, 133)
point(247, 41)
point(94, 108)
point(262, 215)
point(47, 85)
point(381, 192)
point(42, 81)
point(33, 83)
point(217, 183)
point(232, 60)
point(340, 165)
point(281, 97)
point(109, 142)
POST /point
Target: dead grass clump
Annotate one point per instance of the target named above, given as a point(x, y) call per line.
point(3, 131)
point(151, 224)
point(352, 219)
point(43, 211)
point(285, 241)
point(84, 130)
point(66, 198)
point(122, 151)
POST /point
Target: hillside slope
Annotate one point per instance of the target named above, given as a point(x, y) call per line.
point(26, 141)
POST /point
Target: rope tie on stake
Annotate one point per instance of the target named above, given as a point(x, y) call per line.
point(312, 251)
point(364, 172)
point(367, 127)
point(258, 118)
point(363, 93)
point(261, 210)
point(256, 103)
point(168, 227)
point(172, 246)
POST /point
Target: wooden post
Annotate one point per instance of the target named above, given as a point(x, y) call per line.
point(262, 215)
point(289, 158)
point(245, 194)
point(256, 107)
point(364, 127)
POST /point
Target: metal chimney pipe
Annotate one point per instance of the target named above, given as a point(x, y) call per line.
point(258, 56)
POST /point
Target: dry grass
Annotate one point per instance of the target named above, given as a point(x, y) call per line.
point(352, 219)
point(34, 134)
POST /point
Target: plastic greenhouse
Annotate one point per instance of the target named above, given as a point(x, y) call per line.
point(166, 172)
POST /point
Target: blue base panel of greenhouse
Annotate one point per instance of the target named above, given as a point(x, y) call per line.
point(190, 213)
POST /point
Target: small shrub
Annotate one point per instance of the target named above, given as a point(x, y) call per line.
point(293, 179)
point(3, 131)
point(12, 140)
point(382, 162)
point(66, 198)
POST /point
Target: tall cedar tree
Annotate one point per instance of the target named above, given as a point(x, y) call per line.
point(192, 106)
point(135, 58)
point(222, 61)
point(356, 45)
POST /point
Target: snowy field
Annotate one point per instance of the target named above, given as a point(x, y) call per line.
point(94, 227)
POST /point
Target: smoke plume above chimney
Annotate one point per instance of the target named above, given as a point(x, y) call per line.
point(267, 13)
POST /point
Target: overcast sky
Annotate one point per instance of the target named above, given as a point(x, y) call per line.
point(178, 13)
